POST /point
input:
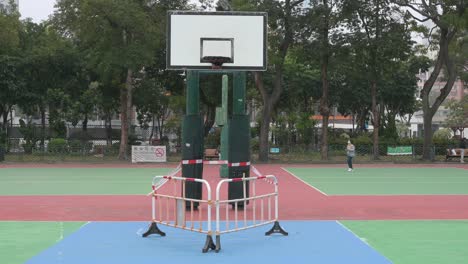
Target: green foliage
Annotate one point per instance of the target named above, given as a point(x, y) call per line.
point(362, 140)
point(213, 139)
point(10, 27)
point(3, 139)
point(254, 144)
point(345, 136)
point(80, 146)
point(57, 145)
point(458, 116)
point(29, 135)
point(442, 134)
point(59, 128)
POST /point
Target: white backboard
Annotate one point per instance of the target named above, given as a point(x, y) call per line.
point(242, 36)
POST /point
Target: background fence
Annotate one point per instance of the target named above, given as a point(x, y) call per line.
point(103, 153)
point(100, 143)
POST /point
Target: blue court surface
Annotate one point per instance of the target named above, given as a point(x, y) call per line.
point(121, 242)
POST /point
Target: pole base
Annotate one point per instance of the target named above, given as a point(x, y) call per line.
point(276, 229)
point(218, 243)
point(153, 229)
point(209, 244)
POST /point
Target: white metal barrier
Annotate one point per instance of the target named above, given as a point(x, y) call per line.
point(171, 207)
point(177, 210)
point(260, 212)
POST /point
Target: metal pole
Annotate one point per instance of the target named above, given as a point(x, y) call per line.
point(193, 93)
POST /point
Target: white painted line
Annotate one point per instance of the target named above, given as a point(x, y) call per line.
point(61, 230)
point(313, 187)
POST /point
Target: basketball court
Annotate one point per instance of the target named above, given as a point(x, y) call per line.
point(101, 213)
point(83, 226)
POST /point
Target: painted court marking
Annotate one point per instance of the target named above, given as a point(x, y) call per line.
point(306, 183)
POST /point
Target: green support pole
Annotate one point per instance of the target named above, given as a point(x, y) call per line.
point(239, 139)
point(223, 170)
point(238, 94)
point(192, 138)
point(193, 93)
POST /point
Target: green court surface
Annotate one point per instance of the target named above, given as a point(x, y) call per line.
point(415, 242)
point(20, 241)
point(385, 181)
point(85, 181)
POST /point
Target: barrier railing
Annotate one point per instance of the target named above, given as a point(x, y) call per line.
point(172, 208)
point(260, 214)
point(178, 211)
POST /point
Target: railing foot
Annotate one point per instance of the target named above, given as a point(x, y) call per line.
point(209, 244)
point(218, 243)
point(276, 229)
point(153, 229)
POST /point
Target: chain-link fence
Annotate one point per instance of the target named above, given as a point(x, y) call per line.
point(364, 154)
point(101, 144)
point(96, 143)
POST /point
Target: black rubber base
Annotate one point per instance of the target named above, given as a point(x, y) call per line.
point(209, 244)
point(153, 229)
point(276, 229)
point(218, 243)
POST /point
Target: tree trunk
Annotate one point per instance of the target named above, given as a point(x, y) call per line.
point(324, 107)
point(5, 119)
point(375, 119)
point(84, 134)
point(264, 131)
point(84, 124)
point(152, 130)
point(210, 119)
point(271, 98)
point(108, 124)
point(43, 128)
point(427, 126)
point(125, 106)
point(443, 58)
point(324, 143)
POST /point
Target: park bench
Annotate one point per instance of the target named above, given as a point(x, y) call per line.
point(211, 154)
point(450, 154)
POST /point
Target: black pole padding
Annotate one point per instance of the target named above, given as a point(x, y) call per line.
point(153, 229)
point(276, 229)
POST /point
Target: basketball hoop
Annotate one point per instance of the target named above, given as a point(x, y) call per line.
point(216, 61)
point(231, 41)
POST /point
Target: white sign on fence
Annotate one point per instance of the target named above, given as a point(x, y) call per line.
point(149, 154)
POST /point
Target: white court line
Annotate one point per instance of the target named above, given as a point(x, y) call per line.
point(313, 187)
point(362, 239)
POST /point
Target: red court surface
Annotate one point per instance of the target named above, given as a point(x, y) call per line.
point(296, 201)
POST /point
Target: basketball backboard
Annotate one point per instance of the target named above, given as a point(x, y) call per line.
point(197, 40)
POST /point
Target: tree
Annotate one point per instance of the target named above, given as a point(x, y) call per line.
point(152, 99)
point(382, 39)
point(283, 29)
point(10, 63)
point(450, 20)
point(53, 67)
point(457, 119)
point(326, 17)
point(119, 36)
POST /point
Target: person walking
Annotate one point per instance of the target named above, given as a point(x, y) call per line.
point(462, 149)
point(350, 153)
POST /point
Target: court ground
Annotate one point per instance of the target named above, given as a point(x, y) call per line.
point(376, 214)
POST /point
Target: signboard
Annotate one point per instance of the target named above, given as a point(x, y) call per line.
point(400, 150)
point(274, 150)
point(149, 154)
